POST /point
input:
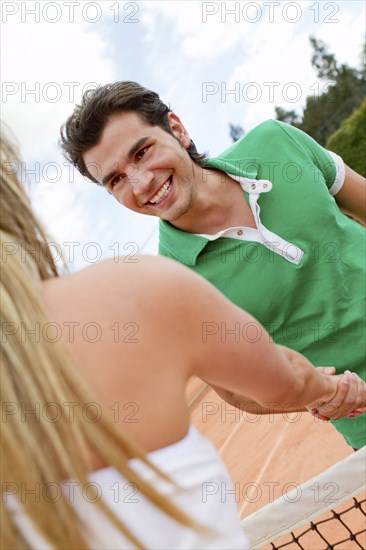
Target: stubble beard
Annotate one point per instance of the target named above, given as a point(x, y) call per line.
point(186, 207)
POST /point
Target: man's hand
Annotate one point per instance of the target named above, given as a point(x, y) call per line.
point(349, 398)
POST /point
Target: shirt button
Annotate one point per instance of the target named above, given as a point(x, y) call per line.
point(240, 232)
point(253, 186)
point(265, 185)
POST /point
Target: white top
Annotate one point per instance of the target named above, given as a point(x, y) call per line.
point(206, 495)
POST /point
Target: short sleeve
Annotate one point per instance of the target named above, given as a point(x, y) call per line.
point(330, 164)
point(340, 173)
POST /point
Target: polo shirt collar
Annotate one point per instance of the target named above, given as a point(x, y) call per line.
point(184, 247)
point(246, 167)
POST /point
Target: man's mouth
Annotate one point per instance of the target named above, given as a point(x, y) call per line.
point(162, 193)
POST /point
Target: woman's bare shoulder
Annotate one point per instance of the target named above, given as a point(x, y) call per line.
point(146, 284)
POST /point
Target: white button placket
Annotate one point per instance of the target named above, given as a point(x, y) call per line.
point(254, 188)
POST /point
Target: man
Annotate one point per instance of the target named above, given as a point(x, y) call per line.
point(259, 221)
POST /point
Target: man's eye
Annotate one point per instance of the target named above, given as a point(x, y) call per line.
point(115, 180)
point(141, 153)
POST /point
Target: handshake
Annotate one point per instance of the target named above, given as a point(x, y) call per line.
point(348, 400)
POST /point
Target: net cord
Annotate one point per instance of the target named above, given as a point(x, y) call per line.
point(332, 487)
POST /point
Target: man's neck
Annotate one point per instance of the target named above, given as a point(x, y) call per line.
point(219, 204)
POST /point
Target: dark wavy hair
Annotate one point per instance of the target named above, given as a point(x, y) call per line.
point(83, 129)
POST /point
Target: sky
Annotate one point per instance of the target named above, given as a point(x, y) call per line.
point(214, 63)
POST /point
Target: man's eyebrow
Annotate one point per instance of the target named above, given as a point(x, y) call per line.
point(135, 147)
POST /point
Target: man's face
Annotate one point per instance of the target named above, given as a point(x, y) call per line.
point(144, 167)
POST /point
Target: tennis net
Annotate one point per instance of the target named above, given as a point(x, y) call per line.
point(325, 513)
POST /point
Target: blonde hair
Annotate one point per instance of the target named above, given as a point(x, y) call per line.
point(39, 371)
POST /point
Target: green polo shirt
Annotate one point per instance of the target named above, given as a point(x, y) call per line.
point(313, 303)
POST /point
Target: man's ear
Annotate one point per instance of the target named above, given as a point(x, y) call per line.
point(179, 130)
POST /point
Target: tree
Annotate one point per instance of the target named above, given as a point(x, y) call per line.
point(345, 89)
point(290, 117)
point(350, 140)
point(236, 131)
point(324, 62)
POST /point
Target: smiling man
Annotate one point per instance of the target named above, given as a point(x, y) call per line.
point(261, 221)
point(166, 187)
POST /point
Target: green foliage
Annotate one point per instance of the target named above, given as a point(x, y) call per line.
point(344, 90)
point(350, 140)
point(324, 62)
point(290, 117)
point(236, 131)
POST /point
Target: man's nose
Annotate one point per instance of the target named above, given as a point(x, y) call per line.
point(141, 182)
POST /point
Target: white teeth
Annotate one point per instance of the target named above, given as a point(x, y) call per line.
point(162, 193)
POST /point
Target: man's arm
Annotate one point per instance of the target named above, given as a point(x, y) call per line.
point(351, 198)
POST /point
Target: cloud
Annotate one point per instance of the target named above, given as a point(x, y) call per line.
point(236, 44)
point(201, 35)
point(42, 61)
point(176, 48)
point(45, 67)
